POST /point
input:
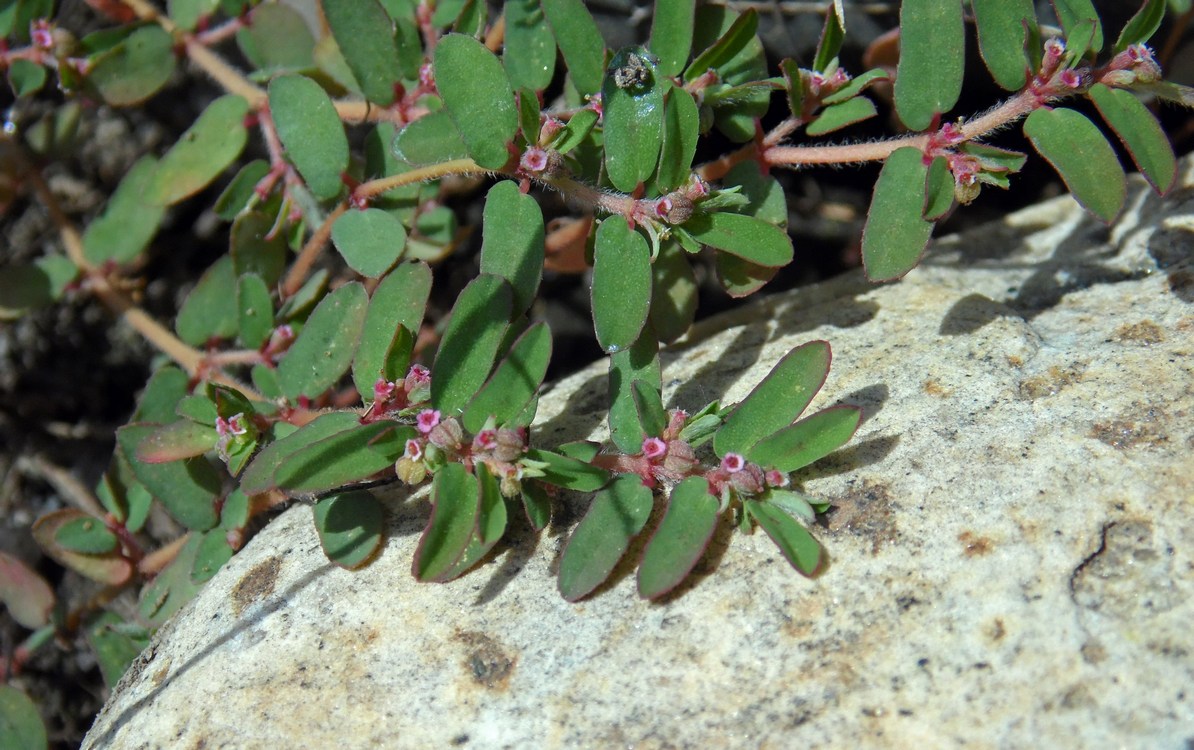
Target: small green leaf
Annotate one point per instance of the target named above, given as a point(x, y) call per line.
point(188, 489)
point(394, 317)
point(896, 231)
point(277, 39)
point(115, 644)
point(1074, 13)
point(530, 50)
point(124, 229)
point(579, 41)
point(1140, 133)
point(491, 525)
point(777, 400)
point(616, 516)
point(365, 35)
point(515, 380)
point(205, 313)
point(255, 250)
point(21, 725)
point(764, 195)
point(370, 241)
point(311, 132)
point(793, 86)
point(748, 238)
point(512, 247)
point(808, 440)
point(256, 311)
point(348, 456)
point(639, 362)
point(201, 153)
point(211, 555)
point(350, 527)
point(621, 291)
point(832, 36)
point(797, 545)
point(728, 45)
point(325, 345)
point(681, 126)
point(649, 405)
point(26, 594)
point(188, 13)
point(176, 441)
point(133, 70)
point(1003, 30)
point(470, 342)
point(26, 77)
point(674, 292)
point(856, 86)
point(939, 189)
point(87, 535)
point(166, 387)
point(258, 477)
point(838, 116)
point(795, 504)
point(173, 587)
point(632, 105)
point(29, 286)
point(671, 34)
point(536, 504)
point(477, 95)
point(932, 59)
point(1083, 158)
point(456, 498)
point(431, 139)
point(1142, 25)
point(111, 568)
point(578, 128)
point(569, 472)
point(680, 539)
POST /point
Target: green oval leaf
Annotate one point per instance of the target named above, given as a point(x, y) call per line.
point(777, 400)
point(1142, 26)
point(671, 34)
point(277, 39)
point(201, 153)
point(116, 644)
point(258, 246)
point(211, 555)
point(568, 472)
point(681, 126)
point(87, 535)
point(21, 725)
point(205, 313)
point(680, 539)
point(1075, 13)
point(640, 362)
point(856, 86)
point(365, 36)
point(632, 119)
point(133, 70)
point(674, 292)
point(1140, 133)
point(750, 239)
point(579, 41)
point(370, 241)
point(431, 139)
point(173, 587)
point(470, 342)
point(732, 41)
point(26, 594)
point(833, 33)
point(896, 231)
point(1083, 158)
point(616, 516)
point(621, 291)
point(797, 545)
point(27, 286)
point(1004, 27)
point(939, 189)
point(578, 128)
point(512, 247)
point(350, 527)
point(838, 116)
point(477, 94)
point(536, 504)
point(456, 498)
point(128, 223)
point(394, 318)
point(809, 440)
point(932, 59)
point(530, 50)
point(188, 13)
point(348, 456)
point(491, 525)
point(189, 489)
point(256, 311)
point(325, 345)
point(111, 568)
point(258, 477)
point(311, 132)
point(176, 441)
point(515, 380)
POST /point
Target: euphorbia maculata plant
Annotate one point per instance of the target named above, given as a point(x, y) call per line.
point(302, 360)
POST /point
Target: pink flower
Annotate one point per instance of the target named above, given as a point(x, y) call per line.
point(414, 450)
point(41, 34)
point(654, 448)
point(486, 440)
point(777, 479)
point(533, 160)
point(383, 389)
point(733, 463)
point(417, 375)
point(427, 420)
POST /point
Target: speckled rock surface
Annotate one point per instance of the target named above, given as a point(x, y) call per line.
point(1010, 553)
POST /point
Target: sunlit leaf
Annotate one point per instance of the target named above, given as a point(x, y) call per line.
point(1083, 158)
point(477, 95)
point(189, 489)
point(370, 241)
point(530, 49)
point(491, 525)
point(748, 238)
point(830, 43)
point(311, 132)
point(201, 153)
point(838, 116)
point(616, 516)
point(187, 13)
point(681, 125)
point(671, 34)
point(806, 441)
point(1140, 133)
point(172, 587)
point(133, 70)
point(111, 568)
point(728, 45)
point(340, 459)
point(777, 400)
point(797, 545)
point(176, 441)
point(578, 128)
point(258, 477)
point(1142, 25)
point(932, 59)
point(456, 498)
point(277, 39)
point(470, 342)
point(256, 311)
point(896, 231)
point(939, 189)
point(621, 291)
point(1003, 30)
point(639, 362)
point(579, 41)
point(514, 381)
point(364, 33)
point(856, 86)
point(212, 553)
point(128, 223)
point(324, 347)
point(680, 539)
point(632, 102)
point(569, 472)
point(512, 247)
point(394, 317)
point(431, 139)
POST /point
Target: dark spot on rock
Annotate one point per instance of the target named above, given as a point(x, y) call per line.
point(933, 388)
point(486, 662)
point(1145, 332)
point(997, 630)
point(973, 545)
point(460, 739)
point(1051, 382)
point(866, 512)
point(1093, 652)
point(257, 584)
point(160, 676)
point(1129, 575)
point(1125, 433)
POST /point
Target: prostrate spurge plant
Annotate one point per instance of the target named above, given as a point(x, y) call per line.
point(257, 407)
